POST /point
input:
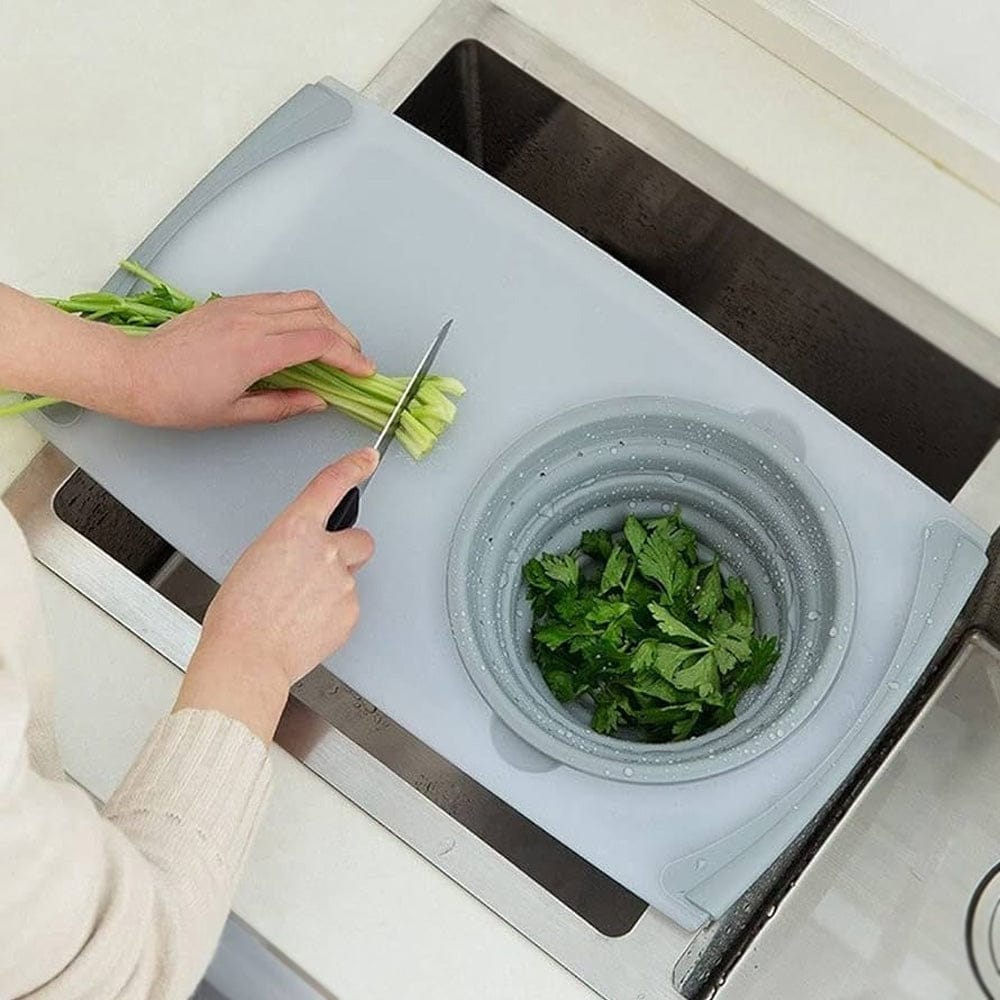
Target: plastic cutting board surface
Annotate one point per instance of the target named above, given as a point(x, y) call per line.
point(399, 234)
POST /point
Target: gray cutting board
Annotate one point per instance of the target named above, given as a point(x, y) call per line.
point(399, 235)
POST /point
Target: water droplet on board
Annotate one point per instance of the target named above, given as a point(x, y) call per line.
point(446, 846)
point(700, 865)
point(812, 616)
point(833, 631)
point(613, 450)
point(628, 772)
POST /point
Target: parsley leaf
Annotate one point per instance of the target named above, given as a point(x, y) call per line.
point(708, 594)
point(597, 544)
point(677, 534)
point(673, 626)
point(535, 576)
point(702, 676)
point(635, 533)
point(615, 568)
point(554, 634)
point(609, 708)
point(739, 601)
point(561, 569)
point(561, 684)
point(661, 643)
point(662, 561)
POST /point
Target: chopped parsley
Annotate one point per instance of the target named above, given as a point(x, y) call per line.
point(658, 643)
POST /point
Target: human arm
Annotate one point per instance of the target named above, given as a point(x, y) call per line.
point(129, 905)
point(194, 371)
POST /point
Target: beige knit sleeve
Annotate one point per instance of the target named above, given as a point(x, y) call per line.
point(127, 905)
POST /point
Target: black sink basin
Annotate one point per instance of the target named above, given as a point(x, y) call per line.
point(928, 412)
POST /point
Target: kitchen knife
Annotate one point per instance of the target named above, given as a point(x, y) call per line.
point(346, 512)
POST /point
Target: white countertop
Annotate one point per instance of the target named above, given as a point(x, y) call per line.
point(953, 45)
point(101, 137)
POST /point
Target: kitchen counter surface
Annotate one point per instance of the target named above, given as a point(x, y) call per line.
point(111, 113)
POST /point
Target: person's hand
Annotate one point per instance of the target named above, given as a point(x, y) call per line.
point(287, 604)
point(195, 371)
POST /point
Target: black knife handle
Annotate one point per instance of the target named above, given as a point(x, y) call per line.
point(345, 514)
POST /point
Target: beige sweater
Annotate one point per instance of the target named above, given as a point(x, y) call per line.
point(126, 903)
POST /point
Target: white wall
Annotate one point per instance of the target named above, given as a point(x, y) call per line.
point(955, 43)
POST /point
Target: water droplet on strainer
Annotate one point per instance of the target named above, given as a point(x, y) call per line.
point(613, 450)
point(893, 685)
point(677, 477)
point(628, 772)
point(576, 520)
point(700, 865)
point(812, 616)
point(833, 631)
point(632, 506)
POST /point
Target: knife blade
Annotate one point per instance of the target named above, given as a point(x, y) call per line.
point(345, 515)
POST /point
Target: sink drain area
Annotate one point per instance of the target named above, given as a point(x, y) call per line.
point(982, 931)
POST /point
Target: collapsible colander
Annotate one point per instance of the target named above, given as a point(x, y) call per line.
point(748, 497)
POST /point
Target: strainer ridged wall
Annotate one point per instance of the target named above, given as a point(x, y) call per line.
point(748, 498)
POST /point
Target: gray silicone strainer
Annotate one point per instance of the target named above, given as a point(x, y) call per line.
point(749, 499)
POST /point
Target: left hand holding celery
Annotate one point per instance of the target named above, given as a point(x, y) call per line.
point(246, 358)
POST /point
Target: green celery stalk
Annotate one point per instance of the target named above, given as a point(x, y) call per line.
point(368, 400)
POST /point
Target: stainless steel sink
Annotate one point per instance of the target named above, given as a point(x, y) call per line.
point(780, 285)
point(867, 368)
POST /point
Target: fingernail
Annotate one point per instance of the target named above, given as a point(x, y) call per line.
point(372, 456)
point(316, 407)
point(369, 363)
